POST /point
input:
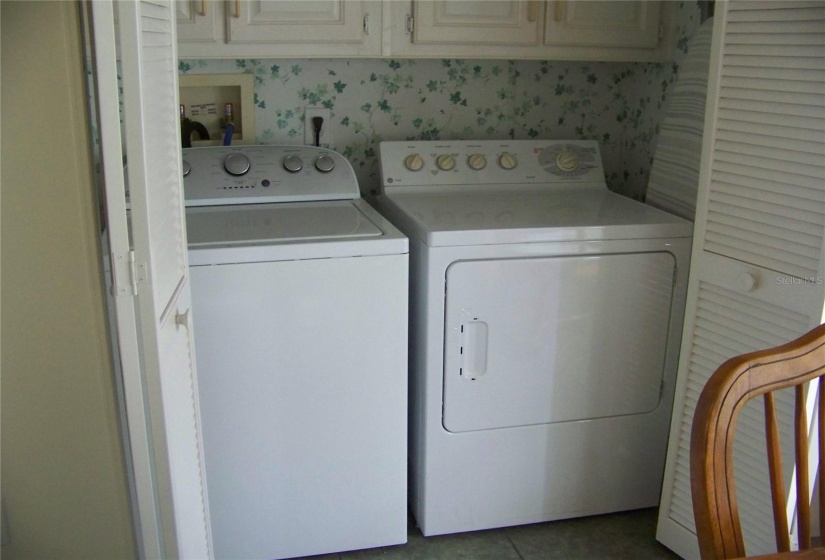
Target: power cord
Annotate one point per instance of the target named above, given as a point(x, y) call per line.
point(317, 123)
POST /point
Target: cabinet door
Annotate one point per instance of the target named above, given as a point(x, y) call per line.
point(479, 23)
point(198, 21)
point(290, 21)
point(626, 23)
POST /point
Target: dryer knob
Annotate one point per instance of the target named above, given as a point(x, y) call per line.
point(507, 161)
point(477, 162)
point(324, 164)
point(187, 169)
point(236, 164)
point(445, 162)
point(293, 163)
point(567, 161)
point(414, 162)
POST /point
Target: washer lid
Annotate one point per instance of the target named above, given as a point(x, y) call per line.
point(292, 231)
point(481, 218)
point(280, 223)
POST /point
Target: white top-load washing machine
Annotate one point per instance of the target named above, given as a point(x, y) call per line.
point(545, 325)
point(299, 293)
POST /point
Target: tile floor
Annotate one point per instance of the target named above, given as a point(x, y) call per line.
point(619, 536)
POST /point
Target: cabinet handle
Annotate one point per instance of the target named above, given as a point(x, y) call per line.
point(746, 281)
point(182, 319)
point(237, 11)
point(203, 8)
point(559, 12)
point(533, 11)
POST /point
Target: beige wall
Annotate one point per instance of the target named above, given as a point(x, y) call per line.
point(63, 482)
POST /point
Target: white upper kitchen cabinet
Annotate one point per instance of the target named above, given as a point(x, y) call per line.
point(475, 23)
point(199, 21)
point(623, 24)
point(279, 28)
point(622, 30)
point(631, 30)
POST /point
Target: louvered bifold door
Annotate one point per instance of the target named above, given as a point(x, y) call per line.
point(160, 381)
point(756, 276)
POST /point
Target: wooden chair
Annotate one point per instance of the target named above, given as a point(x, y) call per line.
point(711, 446)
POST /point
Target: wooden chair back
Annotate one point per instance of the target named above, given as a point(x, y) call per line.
point(732, 385)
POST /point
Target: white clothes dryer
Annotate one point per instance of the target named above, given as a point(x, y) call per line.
point(545, 327)
point(299, 302)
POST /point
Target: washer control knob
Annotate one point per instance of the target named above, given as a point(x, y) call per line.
point(236, 164)
point(507, 161)
point(477, 161)
point(187, 169)
point(324, 163)
point(414, 162)
point(567, 161)
point(445, 162)
point(293, 163)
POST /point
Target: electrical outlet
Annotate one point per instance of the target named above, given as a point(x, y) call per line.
point(309, 130)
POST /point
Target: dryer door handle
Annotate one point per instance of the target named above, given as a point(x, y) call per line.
point(473, 350)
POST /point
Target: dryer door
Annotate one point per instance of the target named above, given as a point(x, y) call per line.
point(555, 339)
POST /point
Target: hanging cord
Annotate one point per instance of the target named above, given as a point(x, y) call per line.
point(317, 123)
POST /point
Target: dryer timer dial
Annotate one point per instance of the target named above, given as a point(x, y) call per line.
point(414, 162)
point(507, 161)
point(445, 162)
point(477, 162)
point(567, 161)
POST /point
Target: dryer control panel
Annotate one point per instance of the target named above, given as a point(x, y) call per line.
point(258, 174)
point(490, 162)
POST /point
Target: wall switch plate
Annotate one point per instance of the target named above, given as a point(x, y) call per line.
point(309, 130)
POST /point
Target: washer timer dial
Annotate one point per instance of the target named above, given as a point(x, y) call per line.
point(293, 163)
point(324, 164)
point(236, 164)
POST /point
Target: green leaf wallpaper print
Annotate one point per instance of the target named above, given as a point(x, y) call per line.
point(371, 100)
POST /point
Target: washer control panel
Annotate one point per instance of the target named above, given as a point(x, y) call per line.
point(258, 174)
point(490, 162)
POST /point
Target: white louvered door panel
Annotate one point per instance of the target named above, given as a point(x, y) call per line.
point(169, 384)
point(757, 268)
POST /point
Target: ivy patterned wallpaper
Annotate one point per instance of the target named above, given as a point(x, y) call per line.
point(371, 100)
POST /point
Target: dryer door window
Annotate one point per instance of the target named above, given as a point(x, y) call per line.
point(555, 339)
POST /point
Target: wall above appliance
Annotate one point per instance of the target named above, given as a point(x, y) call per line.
point(213, 100)
point(620, 104)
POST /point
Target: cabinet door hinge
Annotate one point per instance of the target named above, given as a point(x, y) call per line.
point(366, 24)
point(410, 24)
point(124, 274)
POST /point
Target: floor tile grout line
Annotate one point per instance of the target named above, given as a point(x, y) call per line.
point(513, 544)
